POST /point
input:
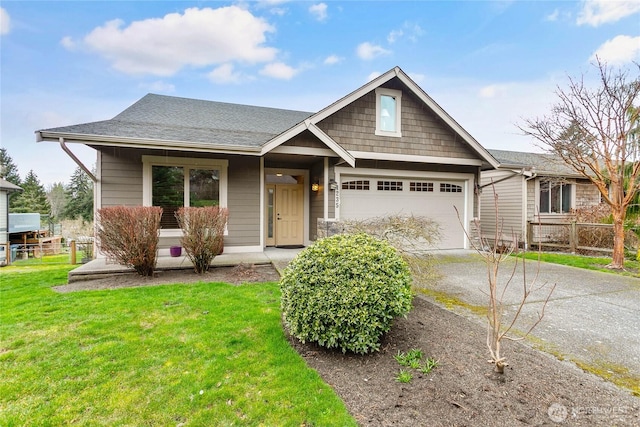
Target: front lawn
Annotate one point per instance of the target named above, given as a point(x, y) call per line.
point(632, 268)
point(196, 354)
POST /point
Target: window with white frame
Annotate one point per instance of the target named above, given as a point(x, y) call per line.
point(172, 183)
point(388, 108)
point(555, 197)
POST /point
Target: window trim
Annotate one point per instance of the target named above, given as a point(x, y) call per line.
point(572, 201)
point(187, 163)
point(397, 95)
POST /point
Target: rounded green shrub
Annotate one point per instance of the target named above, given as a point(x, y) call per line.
point(344, 292)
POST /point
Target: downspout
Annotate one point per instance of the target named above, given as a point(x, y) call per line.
point(78, 162)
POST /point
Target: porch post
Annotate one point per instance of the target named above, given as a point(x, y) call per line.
point(325, 187)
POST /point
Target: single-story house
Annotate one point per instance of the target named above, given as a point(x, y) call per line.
point(385, 148)
point(534, 187)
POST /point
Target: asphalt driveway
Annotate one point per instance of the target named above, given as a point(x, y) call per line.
point(592, 317)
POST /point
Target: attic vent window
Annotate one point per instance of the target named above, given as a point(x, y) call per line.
point(388, 108)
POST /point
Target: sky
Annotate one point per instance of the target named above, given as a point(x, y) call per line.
point(489, 64)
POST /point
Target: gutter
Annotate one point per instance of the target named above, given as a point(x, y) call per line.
point(109, 141)
point(78, 162)
point(528, 173)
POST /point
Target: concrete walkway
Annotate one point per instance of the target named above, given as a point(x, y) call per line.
point(592, 317)
point(101, 267)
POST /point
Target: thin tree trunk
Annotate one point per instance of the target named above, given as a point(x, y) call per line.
point(617, 261)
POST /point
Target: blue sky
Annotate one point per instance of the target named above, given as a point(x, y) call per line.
point(487, 63)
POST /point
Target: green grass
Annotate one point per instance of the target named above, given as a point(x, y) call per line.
point(196, 354)
point(632, 268)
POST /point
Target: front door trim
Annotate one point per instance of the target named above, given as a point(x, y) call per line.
point(306, 196)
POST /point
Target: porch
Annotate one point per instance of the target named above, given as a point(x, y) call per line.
point(100, 268)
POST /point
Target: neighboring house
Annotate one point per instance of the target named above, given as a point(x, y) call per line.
point(6, 188)
point(385, 148)
point(531, 187)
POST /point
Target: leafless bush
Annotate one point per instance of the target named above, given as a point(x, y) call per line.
point(412, 236)
point(203, 232)
point(130, 235)
point(494, 250)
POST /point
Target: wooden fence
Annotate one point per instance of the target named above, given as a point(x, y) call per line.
point(576, 236)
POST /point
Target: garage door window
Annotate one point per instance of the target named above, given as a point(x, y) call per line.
point(355, 185)
point(389, 185)
point(421, 186)
point(450, 188)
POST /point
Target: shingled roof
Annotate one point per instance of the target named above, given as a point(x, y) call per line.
point(168, 118)
point(544, 164)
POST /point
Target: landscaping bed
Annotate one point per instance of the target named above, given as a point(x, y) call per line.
point(462, 390)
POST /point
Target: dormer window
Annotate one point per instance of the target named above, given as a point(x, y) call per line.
point(388, 112)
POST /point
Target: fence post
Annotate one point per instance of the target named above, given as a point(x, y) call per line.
point(529, 242)
point(573, 237)
point(7, 249)
point(72, 249)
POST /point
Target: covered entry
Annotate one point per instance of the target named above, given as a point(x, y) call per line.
point(284, 209)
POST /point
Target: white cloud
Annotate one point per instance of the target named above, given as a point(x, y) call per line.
point(332, 59)
point(493, 91)
point(408, 30)
point(619, 50)
point(278, 11)
point(319, 11)
point(417, 77)
point(68, 43)
point(553, 16)
point(368, 51)
point(394, 35)
point(373, 75)
point(158, 87)
point(225, 74)
point(279, 70)
point(5, 22)
point(597, 12)
point(197, 38)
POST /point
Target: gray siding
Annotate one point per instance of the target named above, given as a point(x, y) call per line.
point(423, 133)
point(316, 204)
point(121, 177)
point(121, 184)
point(244, 201)
point(587, 194)
point(510, 206)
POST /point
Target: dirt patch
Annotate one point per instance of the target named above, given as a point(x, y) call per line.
point(462, 390)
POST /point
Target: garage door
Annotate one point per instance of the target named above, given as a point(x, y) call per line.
point(371, 197)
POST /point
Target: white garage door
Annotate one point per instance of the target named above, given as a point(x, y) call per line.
point(370, 197)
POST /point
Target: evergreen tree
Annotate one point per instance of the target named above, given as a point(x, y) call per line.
point(57, 197)
point(80, 196)
point(8, 169)
point(33, 197)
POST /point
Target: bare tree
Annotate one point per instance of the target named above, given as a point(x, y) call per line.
point(592, 130)
point(495, 250)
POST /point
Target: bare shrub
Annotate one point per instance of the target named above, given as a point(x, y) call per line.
point(412, 236)
point(495, 251)
point(130, 235)
point(203, 232)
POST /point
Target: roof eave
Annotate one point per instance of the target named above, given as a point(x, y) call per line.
point(114, 141)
